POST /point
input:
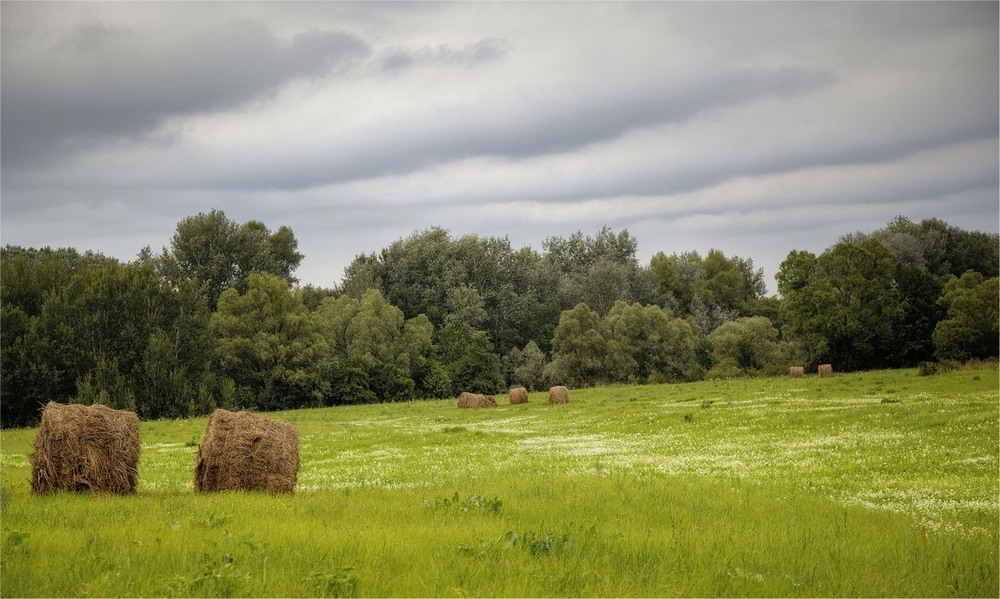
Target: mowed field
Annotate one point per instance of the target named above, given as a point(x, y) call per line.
point(869, 484)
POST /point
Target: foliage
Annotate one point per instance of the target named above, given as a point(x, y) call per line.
point(218, 253)
point(270, 346)
point(216, 319)
point(972, 325)
point(750, 344)
point(470, 360)
point(633, 343)
point(526, 368)
point(844, 304)
point(713, 290)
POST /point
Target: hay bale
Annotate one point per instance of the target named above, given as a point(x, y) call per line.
point(474, 400)
point(86, 448)
point(558, 394)
point(797, 372)
point(825, 370)
point(517, 395)
point(247, 452)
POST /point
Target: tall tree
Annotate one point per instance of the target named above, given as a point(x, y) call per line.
point(749, 344)
point(220, 254)
point(271, 346)
point(713, 290)
point(845, 304)
point(579, 349)
point(971, 327)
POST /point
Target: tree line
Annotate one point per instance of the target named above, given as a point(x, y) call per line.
point(218, 319)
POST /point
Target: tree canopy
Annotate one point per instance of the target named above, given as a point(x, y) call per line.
point(218, 319)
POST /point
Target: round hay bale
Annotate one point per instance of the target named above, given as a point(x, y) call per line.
point(247, 452)
point(797, 372)
point(517, 395)
point(86, 449)
point(558, 394)
point(825, 370)
point(474, 400)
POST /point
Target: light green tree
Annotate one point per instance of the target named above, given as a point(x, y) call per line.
point(271, 346)
point(748, 344)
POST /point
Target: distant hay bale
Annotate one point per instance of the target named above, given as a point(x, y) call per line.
point(247, 452)
point(474, 400)
point(797, 372)
point(518, 395)
point(86, 449)
point(825, 370)
point(558, 394)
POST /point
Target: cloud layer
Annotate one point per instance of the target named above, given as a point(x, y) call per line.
point(754, 128)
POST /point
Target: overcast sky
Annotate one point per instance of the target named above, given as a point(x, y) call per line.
point(755, 128)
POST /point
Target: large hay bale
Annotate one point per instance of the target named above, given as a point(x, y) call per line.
point(86, 448)
point(825, 370)
point(797, 372)
point(474, 400)
point(247, 452)
point(517, 395)
point(558, 394)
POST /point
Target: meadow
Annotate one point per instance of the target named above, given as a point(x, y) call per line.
point(871, 484)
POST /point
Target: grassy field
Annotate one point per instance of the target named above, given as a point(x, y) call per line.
point(870, 484)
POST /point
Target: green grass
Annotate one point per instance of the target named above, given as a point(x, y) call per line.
point(870, 484)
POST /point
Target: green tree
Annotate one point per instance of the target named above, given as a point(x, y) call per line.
point(920, 313)
point(713, 290)
point(749, 344)
point(470, 359)
point(843, 305)
point(595, 270)
point(376, 354)
point(647, 344)
point(271, 346)
point(526, 367)
point(20, 399)
point(971, 327)
point(220, 254)
point(579, 349)
point(633, 343)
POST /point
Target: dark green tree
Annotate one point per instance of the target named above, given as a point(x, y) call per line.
point(970, 329)
point(579, 349)
point(713, 290)
point(844, 305)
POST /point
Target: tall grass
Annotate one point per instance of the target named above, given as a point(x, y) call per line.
point(876, 484)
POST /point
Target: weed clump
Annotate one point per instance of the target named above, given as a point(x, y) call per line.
point(487, 505)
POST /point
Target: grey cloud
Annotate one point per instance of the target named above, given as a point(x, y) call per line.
point(675, 120)
point(98, 82)
point(469, 55)
point(522, 130)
